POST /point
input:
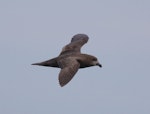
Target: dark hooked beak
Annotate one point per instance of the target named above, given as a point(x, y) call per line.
point(98, 64)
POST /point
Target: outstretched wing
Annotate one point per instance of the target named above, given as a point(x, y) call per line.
point(69, 67)
point(75, 45)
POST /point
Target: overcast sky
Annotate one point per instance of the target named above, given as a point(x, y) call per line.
point(36, 30)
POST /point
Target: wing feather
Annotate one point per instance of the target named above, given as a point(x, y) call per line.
point(69, 67)
point(75, 45)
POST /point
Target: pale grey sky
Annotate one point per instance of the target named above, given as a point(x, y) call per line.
point(36, 30)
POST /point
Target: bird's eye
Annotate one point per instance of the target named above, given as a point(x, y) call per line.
point(94, 59)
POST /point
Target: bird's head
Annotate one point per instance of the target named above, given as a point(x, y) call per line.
point(95, 62)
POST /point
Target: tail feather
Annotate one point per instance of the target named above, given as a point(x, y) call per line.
point(49, 63)
point(36, 64)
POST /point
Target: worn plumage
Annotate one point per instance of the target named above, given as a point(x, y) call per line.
point(71, 59)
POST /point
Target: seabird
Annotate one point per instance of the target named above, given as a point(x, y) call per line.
point(71, 59)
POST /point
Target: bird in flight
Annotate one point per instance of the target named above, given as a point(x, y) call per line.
point(71, 59)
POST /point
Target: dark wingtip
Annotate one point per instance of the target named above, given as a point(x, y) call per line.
point(61, 84)
point(80, 37)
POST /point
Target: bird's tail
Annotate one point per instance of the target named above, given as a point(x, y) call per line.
point(49, 63)
point(45, 63)
point(41, 64)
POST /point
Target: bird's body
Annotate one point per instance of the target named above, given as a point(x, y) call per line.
point(81, 58)
point(71, 59)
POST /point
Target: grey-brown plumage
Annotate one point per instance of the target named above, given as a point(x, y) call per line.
point(71, 59)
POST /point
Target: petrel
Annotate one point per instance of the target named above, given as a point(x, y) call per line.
point(71, 59)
